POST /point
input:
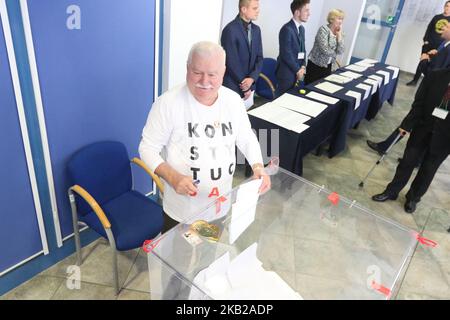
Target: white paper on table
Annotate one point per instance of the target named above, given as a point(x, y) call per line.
point(396, 71)
point(378, 79)
point(301, 105)
point(282, 117)
point(355, 95)
point(356, 68)
point(366, 88)
point(250, 101)
point(362, 63)
point(351, 75)
point(322, 98)
point(386, 76)
point(371, 61)
point(243, 265)
point(373, 83)
point(329, 87)
point(338, 79)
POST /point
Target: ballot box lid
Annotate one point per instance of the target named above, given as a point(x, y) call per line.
point(296, 241)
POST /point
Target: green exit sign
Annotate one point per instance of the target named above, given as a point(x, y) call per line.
point(390, 19)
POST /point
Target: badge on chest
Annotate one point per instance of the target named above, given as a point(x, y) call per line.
point(440, 113)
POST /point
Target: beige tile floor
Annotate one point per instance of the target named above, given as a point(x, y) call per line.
point(427, 276)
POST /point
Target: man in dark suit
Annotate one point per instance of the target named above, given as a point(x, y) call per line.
point(291, 64)
point(429, 124)
point(440, 60)
point(241, 39)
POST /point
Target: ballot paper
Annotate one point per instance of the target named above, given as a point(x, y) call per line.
point(366, 88)
point(386, 76)
point(355, 95)
point(351, 75)
point(299, 104)
point(396, 71)
point(242, 278)
point(371, 61)
point(338, 79)
point(356, 68)
point(373, 83)
point(322, 98)
point(282, 117)
point(362, 63)
point(378, 79)
point(250, 101)
point(329, 87)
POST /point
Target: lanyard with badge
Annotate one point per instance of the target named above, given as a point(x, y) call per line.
point(441, 112)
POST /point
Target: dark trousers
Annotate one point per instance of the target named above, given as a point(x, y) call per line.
point(384, 145)
point(315, 72)
point(283, 87)
point(168, 224)
point(421, 69)
point(418, 144)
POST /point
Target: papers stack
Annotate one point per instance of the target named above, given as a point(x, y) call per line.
point(364, 64)
point(369, 61)
point(282, 117)
point(378, 79)
point(386, 76)
point(356, 68)
point(396, 71)
point(366, 88)
point(322, 98)
point(351, 75)
point(301, 105)
point(355, 95)
point(338, 79)
point(373, 83)
point(243, 278)
point(329, 87)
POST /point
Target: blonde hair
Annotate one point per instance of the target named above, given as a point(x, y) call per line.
point(244, 3)
point(334, 14)
point(206, 49)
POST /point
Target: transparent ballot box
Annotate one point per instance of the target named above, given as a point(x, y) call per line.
point(297, 241)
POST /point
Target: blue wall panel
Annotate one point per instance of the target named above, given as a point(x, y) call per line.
point(19, 230)
point(97, 82)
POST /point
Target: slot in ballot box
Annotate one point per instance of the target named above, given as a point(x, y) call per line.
point(296, 241)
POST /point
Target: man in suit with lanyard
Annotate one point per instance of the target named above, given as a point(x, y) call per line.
point(429, 124)
point(291, 63)
point(440, 60)
point(241, 39)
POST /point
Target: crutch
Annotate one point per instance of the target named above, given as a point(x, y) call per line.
point(400, 135)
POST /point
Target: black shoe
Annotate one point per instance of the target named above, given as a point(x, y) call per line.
point(382, 197)
point(374, 146)
point(412, 83)
point(410, 206)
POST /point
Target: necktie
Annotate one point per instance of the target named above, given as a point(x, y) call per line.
point(301, 35)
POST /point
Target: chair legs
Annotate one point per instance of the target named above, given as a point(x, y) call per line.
point(112, 243)
point(75, 228)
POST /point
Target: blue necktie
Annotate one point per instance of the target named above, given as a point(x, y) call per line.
point(301, 35)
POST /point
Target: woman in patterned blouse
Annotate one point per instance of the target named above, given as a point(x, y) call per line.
point(329, 43)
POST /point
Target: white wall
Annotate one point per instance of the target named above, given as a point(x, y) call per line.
point(275, 13)
point(407, 44)
point(354, 10)
point(185, 23)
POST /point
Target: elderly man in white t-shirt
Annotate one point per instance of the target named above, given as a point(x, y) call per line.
point(190, 137)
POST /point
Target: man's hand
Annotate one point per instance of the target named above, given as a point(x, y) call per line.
point(432, 52)
point(424, 56)
point(403, 132)
point(246, 84)
point(258, 173)
point(301, 73)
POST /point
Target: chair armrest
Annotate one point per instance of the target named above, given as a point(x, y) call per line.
point(155, 178)
point(269, 83)
point(93, 204)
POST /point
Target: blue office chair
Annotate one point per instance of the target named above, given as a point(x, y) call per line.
point(267, 81)
point(102, 197)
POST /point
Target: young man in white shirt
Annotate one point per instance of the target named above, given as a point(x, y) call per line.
point(197, 126)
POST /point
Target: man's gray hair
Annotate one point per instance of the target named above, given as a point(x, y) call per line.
point(206, 49)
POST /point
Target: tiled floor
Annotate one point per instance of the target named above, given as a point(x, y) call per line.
point(427, 277)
